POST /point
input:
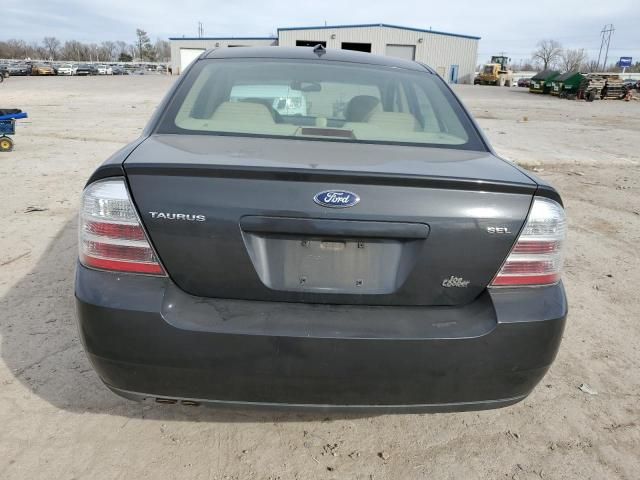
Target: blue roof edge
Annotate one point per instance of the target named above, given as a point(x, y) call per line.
point(366, 25)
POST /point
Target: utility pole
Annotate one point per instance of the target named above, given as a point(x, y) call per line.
point(200, 30)
point(604, 44)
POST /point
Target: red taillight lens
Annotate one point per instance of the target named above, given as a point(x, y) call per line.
point(536, 258)
point(110, 234)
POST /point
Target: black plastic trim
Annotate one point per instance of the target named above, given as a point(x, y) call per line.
point(114, 165)
point(548, 191)
point(333, 228)
point(106, 170)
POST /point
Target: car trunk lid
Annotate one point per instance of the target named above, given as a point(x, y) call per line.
point(235, 217)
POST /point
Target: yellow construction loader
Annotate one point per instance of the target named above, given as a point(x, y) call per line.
point(496, 72)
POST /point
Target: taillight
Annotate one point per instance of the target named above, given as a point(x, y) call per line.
point(110, 234)
point(537, 256)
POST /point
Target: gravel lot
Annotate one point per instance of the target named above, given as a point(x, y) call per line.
point(58, 421)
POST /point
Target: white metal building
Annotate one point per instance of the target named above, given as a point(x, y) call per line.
point(452, 55)
point(185, 50)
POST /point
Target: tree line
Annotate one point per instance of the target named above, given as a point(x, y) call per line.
point(551, 54)
point(51, 48)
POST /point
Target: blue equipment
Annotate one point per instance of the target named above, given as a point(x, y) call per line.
point(8, 119)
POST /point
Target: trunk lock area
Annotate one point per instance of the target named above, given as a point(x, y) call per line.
point(332, 256)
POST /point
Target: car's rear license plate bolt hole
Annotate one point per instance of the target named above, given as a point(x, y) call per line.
point(360, 244)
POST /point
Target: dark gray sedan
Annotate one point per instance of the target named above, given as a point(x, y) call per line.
point(305, 227)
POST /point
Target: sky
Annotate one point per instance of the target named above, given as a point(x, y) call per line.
point(512, 27)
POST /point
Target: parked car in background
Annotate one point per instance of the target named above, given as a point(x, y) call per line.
point(19, 69)
point(117, 70)
point(524, 82)
point(66, 69)
point(42, 69)
point(632, 84)
point(379, 255)
point(104, 70)
point(85, 69)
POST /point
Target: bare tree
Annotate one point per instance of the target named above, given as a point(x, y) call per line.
point(94, 52)
point(74, 50)
point(131, 50)
point(548, 53)
point(52, 46)
point(163, 50)
point(143, 43)
point(36, 51)
point(121, 47)
point(573, 60)
point(109, 50)
point(591, 66)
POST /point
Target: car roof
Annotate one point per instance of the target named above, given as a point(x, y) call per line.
point(307, 53)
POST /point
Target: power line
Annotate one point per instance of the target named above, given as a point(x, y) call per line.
point(604, 44)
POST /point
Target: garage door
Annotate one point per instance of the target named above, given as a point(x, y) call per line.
point(188, 55)
point(408, 52)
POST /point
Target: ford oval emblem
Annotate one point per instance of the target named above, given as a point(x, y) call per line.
point(336, 199)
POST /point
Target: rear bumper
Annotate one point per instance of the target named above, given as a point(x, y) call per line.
point(147, 338)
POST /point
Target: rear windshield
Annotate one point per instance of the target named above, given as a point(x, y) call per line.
point(318, 100)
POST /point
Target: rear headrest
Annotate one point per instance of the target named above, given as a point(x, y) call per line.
point(395, 121)
point(360, 108)
point(243, 112)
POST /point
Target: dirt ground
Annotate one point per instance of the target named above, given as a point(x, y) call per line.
point(58, 421)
